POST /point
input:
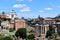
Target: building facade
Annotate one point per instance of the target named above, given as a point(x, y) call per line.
point(12, 20)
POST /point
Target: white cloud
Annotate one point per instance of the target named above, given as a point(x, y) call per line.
point(41, 11)
point(45, 9)
point(48, 8)
point(19, 5)
point(25, 9)
point(22, 7)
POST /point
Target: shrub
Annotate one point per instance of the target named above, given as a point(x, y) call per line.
point(11, 29)
point(30, 37)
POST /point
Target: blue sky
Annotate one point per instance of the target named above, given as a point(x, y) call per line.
point(31, 8)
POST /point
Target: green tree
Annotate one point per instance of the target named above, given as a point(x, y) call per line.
point(8, 38)
point(21, 32)
point(50, 31)
point(8, 19)
point(30, 37)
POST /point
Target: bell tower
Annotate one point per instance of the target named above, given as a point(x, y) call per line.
point(13, 14)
